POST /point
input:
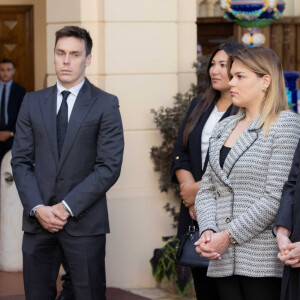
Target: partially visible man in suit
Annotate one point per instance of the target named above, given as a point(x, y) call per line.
point(66, 155)
point(11, 95)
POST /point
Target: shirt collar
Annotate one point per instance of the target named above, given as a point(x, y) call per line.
point(7, 84)
point(74, 90)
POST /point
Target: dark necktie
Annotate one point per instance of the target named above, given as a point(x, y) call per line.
point(62, 121)
point(2, 115)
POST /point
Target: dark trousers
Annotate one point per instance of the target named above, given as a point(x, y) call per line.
point(67, 291)
point(205, 287)
point(290, 289)
point(249, 288)
point(42, 255)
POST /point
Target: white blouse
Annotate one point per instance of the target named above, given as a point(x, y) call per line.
point(208, 128)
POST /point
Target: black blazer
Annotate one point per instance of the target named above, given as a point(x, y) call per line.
point(90, 161)
point(288, 215)
point(190, 159)
point(15, 99)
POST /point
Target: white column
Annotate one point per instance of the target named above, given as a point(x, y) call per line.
point(292, 8)
point(296, 8)
point(141, 63)
point(187, 43)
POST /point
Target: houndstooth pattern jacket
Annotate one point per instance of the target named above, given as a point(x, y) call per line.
point(244, 196)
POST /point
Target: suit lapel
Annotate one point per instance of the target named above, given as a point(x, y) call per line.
point(246, 139)
point(48, 111)
point(217, 141)
point(231, 110)
point(81, 108)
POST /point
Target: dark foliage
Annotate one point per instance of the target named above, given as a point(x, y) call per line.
point(184, 279)
point(163, 266)
point(168, 121)
point(162, 261)
point(155, 260)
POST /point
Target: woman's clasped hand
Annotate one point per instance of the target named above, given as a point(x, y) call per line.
point(289, 252)
point(212, 245)
point(291, 255)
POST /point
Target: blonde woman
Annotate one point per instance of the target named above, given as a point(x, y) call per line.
point(190, 150)
point(250, 155)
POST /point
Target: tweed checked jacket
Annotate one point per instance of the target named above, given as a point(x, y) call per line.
point(244, 196)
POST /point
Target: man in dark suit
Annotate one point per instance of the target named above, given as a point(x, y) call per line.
point(66, 155)
point(11, 95)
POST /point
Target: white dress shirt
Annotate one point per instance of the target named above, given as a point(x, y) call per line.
point(71, 98)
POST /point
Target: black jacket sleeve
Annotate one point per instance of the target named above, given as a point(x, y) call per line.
point(284, 215)
point(17, 94)
point(180, 158)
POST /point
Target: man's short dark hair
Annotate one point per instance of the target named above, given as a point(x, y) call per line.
point(7, 61)
point(77, 32)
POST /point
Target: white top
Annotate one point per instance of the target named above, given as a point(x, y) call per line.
point(208, 128)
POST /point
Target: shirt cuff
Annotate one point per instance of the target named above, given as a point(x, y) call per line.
point(274, 230)
point(32, 212)
point(68, 208)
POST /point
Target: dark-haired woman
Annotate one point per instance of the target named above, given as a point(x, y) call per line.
point(190, 150)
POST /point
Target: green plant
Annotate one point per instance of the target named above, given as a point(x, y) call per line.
point(163, 266)
point(169, 120)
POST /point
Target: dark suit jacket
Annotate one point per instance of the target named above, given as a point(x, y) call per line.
point(288, 216)
point(190, 159)
point(15, 99)
point(90, 161)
